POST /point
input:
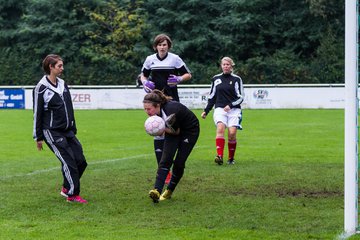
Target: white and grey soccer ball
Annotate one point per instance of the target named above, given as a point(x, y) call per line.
point(154, 126)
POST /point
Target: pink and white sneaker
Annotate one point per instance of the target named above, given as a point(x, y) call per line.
point(64, 192)
point(76, 198)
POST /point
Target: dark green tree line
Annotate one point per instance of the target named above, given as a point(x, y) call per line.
point(272, 41)
point(106, 41)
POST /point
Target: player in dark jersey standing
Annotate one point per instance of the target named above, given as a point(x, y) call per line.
point(227, 94)
point(181, 133)
point(54, 123)
point(166, 70)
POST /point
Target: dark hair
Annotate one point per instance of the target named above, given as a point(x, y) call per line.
point(50, 59)
point(160, 38)
point(156, 97)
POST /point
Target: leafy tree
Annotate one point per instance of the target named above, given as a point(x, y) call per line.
point(116, 35)
point(328, 65)
point(106, 41)
point(47, 29)
point(261, 30)
point(75, 30)
point(328, 60)
point(41, 29)
point(11, 12)
point(117, 30)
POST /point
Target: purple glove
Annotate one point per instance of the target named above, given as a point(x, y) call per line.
point(173, 80)
point(148, 86)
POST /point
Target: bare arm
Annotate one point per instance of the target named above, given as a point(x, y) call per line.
point(186, 77)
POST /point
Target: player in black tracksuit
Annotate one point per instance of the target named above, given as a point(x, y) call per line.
point(181, 135)
point(54, 123)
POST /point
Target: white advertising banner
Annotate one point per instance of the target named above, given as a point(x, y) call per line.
point(196, 98)
point(274, 98)
point(107, 98)
point(102, 98)
point(308, 97)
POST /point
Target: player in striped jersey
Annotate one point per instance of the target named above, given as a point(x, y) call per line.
point(227, 94)
point(166, 69)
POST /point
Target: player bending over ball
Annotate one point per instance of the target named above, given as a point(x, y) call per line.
point(163, 70)
point(226, 93)
point(181, 133)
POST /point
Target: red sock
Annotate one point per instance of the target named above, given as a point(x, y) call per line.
point(232, 148)
point(168, 178)
point(220, 143)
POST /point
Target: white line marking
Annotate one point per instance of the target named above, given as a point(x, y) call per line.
point(36, 172)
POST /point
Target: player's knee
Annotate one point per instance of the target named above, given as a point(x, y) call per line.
point(164, 164)
point(179, 166)
point(178, 171)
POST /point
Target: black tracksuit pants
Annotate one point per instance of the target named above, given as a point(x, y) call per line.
point(181, 145)
point(68, 150)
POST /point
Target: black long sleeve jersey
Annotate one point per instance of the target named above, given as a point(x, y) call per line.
point(161, 68)
point(53, 109)
point(186, 120)
point(226, 89)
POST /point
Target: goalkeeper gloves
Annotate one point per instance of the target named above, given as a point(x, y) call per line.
point(174, 80)
point(148, 86)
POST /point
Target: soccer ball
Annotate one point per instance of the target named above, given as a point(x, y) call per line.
point(154, 126)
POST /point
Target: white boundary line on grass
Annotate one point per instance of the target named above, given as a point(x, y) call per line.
point(36, 172)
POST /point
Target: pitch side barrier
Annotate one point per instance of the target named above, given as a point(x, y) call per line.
point(257, 96)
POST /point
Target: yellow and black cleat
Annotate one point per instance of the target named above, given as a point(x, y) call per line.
point(154, 195)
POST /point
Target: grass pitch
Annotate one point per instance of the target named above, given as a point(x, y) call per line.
point(287, 182)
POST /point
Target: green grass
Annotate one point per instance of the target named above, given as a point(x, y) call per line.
point(287, 182)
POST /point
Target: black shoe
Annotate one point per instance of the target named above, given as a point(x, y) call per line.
point(219, 160)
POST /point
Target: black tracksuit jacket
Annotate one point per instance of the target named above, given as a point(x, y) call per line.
point(53, 109)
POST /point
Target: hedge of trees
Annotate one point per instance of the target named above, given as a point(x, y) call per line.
point(106, 41)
